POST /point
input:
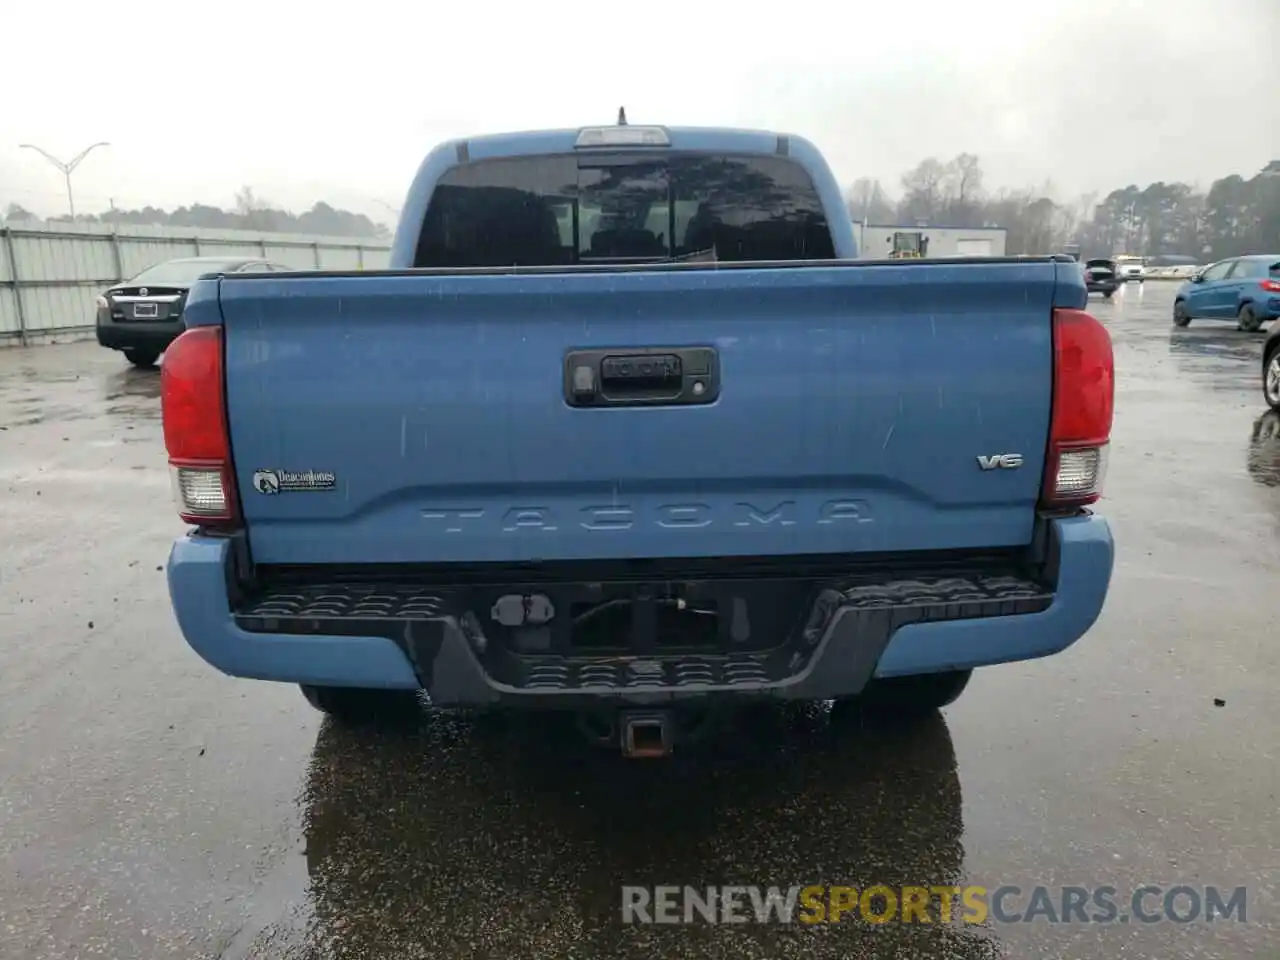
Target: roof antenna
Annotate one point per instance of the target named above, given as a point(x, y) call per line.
point(622, 116)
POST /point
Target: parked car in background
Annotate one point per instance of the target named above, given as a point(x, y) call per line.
point(1100, 277)
point(1130, 269)
point(1244, 289)
point(142, 316)
point(1271, 368)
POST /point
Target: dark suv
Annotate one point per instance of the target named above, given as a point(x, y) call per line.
point(1100, 277)
point(142, 316)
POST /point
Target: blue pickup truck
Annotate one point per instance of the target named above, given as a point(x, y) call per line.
point(627, 430)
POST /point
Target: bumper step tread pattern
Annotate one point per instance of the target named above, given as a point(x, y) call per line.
point(346, 602)
point(933, 596)
point(952, 598)
point(670, 672)
point(417, 617)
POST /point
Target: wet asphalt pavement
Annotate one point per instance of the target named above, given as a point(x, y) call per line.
point(150, 807)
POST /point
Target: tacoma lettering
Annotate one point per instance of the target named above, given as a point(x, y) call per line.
point(528, 518)
point(684, 515)
point(671, 516)
point(783, 513)
point(451, 520)
point(845, 511)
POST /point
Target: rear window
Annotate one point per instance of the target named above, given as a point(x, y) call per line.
point(560, 210)
point(1252, 268)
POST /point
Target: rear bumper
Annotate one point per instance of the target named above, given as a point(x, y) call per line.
point(1268, 309)
point(139, 335)
point(844, 646)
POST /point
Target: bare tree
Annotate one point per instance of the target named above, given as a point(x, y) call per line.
point(247, 201)
point(16, 212)
point(254, 209)
point(1041, 215)
point(966, 175)
point(922, 196)
point(962, 190)
point(1066, 224)
point(868, 201)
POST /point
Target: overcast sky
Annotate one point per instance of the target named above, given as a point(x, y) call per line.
point(308, 101)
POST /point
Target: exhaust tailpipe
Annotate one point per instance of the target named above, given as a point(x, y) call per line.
point(646, 735)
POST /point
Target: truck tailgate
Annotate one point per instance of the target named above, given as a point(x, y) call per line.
point(397, 418)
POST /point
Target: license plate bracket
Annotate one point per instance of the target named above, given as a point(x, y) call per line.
point(145, 311)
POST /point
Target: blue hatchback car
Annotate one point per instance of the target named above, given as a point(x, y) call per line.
point(1244, 289)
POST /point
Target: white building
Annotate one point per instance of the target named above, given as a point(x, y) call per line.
point(877, 241)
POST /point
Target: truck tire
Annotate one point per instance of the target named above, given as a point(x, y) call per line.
point(1180, 316)
point(141, 358)
point(1247, 320)
point(907, 698)
point(357, 706)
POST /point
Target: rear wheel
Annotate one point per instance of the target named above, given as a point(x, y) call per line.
point(1180, 316)
point(1108, 294)
point(1271, 378)
point(356, 706)
point(1247, 320)
point(142, 358)
point(907, 698)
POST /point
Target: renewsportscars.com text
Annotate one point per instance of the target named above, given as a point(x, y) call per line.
point(825, 904)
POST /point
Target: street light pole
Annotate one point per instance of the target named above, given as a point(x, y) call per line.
point(67, 168)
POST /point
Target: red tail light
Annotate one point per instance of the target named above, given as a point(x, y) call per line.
point(1088, 275)
point(195, 429)
point(1083, 404)
point(1271, 286)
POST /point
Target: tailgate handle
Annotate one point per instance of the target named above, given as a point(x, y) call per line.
point(651, 376)
point(637, 373)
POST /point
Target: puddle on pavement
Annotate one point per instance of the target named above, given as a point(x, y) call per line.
point(395, 819)
point(1226, 344)
point(1264, 450)
point(1219, 360)
point(139, 383)
point(29, 416)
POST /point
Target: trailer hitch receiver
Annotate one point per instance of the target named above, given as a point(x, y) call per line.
point(646, 735)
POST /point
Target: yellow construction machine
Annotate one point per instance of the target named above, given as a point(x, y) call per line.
point(910, 245)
